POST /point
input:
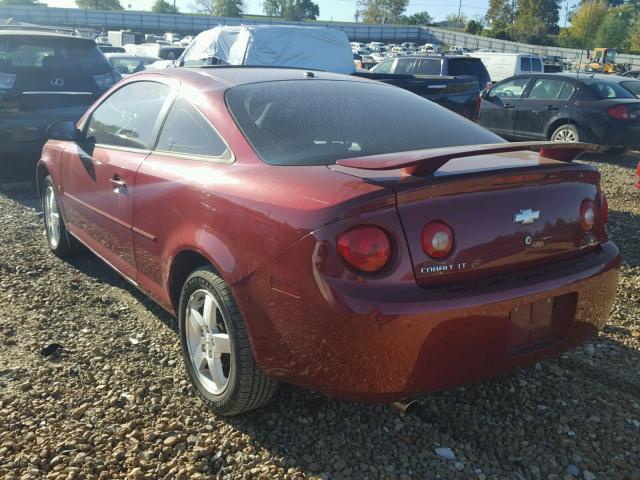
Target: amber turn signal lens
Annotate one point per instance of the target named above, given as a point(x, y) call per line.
point(587, 215)
point(437, 239)
point(366, 248)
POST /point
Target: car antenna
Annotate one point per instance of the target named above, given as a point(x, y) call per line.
point(571, 107)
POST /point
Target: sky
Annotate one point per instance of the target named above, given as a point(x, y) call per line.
point(338, 10)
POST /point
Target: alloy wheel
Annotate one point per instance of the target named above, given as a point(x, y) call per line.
point(208, 341)
point(52, 217)
point(565, 135)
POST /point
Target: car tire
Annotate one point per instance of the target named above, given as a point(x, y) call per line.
point(216, 349)
point(58, 238)
point(567, 133)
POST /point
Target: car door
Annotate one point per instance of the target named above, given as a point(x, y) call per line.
point(498, 107)
point(98, 173)
point(189, 149)
point(546, 100)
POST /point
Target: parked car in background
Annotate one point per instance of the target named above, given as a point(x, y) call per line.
point(632, 73)
point(127, 64)
point(430, 48)
point(563, 107)
point(443, 65)
point(505, 65)
point(335, 233)
point(44, 78)
point(111, 49)
point(164, 52)
point(459, 50)
point(630, 83)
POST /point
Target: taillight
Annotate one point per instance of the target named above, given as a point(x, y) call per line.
point(619, 112)
point(587, 215)
point(604, 209)
point(365, 248)
point(437, 239)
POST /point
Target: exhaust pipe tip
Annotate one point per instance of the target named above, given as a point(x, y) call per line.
point(405, 406)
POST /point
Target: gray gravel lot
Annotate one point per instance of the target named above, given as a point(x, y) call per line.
point(117, 404)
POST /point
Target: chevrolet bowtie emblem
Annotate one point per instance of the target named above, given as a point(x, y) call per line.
point(526, 217)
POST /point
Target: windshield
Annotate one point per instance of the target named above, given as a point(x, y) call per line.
point(604, 89)
point(633, 86)
point(24, 52)
point(316, 122)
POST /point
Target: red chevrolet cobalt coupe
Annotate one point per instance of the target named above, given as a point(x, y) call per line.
point(331, 232)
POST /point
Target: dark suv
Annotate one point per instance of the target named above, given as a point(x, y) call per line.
point(44, 78)
point(442, 65)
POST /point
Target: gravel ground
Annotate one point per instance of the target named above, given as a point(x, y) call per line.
point(116, 404)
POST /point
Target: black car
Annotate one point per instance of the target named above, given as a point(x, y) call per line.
point(44, 78)
point(630, 83)
point(442, 65)
point(562, 107)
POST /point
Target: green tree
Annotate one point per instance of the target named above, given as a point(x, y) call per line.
point(474, 27)
point(301, 10)
point(501, 12)
point(163, 7)
point(228, 8)
point(100, 4)
point(528, 26)
point(614, 30)
point(634, 37)
point(420, 18)
point(584, 24)
point(455, 19)
point(382, 11)
point(273, 8)
point(220, 8)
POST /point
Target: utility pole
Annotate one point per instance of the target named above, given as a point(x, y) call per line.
point(459, 11)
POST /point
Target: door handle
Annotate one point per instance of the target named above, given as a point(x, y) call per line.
point(551, 107)
point(118, 185)
point(508, 105)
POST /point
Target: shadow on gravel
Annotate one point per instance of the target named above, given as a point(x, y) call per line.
point(621, 223)
point(87, 263)
point(539, 416)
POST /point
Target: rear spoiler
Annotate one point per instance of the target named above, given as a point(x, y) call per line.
point(427, 162)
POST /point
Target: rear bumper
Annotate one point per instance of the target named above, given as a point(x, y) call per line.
point(370, 345)
point(618, 134)
point(22, 138)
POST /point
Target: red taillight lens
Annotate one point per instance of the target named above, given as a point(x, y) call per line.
point(604, 209)
point(437, 239)
point(619, 112)
point(367, 249)
point(587, 215)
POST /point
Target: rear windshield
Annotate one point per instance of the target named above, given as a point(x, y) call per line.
point(604, 89)
point(317, 122)
point(467, 66)
point(633, 86)
point(20, 53)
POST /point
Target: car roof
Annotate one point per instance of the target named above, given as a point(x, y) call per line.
point(49, 35)
point(234, 75)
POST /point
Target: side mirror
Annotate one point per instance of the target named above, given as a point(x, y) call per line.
point(484, 94)
point(64, 130)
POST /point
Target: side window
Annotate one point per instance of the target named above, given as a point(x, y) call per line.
point(510, 89)
point(546, 89)
point(186, 131)
point(429, 67)
point(536, 65)
point(525, 64)
point(384, 67)
point(405, 65)
point(127, 118)
point(567, 91)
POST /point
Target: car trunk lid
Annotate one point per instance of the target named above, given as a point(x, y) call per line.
point(508, 209)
